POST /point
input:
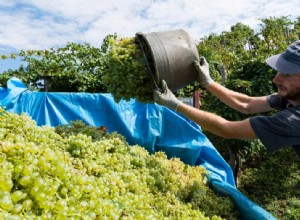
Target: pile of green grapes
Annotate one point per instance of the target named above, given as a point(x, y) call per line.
point(128, 76)
point(63, 173)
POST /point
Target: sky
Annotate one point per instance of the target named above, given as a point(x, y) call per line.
point(45, 24)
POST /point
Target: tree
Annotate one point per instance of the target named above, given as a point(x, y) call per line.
point(277, 33)
point(72, 68)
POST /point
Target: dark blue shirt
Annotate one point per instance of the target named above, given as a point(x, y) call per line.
point(281, 129)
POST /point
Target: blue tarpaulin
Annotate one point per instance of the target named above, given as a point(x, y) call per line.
point(151, 126)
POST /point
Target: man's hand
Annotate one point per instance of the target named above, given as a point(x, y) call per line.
point(166, 97)
point(203, 72)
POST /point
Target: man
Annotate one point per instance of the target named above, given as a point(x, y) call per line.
point(279, 130)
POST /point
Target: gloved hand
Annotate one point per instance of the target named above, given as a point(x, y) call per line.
point(166, 97)
point(203, 72)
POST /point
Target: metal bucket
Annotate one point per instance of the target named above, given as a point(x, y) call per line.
point(170, 56)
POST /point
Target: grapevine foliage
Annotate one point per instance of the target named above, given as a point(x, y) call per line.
point(70, 175)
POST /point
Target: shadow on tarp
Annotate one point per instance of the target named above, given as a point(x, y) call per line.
point(151, 126)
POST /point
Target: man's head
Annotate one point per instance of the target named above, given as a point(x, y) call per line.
point(287, 79)
point(287, 62)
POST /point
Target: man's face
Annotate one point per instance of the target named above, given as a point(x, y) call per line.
point(288, 86)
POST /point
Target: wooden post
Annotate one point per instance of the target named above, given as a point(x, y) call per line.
point(196, 99)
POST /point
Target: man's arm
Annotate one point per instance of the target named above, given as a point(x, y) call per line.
point(218, 125)
point(238, 101)
point(208, 121)
point(235, 100)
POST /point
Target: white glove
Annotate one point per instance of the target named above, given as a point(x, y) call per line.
point(203, 72)
point(166, 97)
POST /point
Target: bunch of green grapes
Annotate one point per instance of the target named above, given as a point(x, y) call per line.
point(46, 175)
point(128, 76)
